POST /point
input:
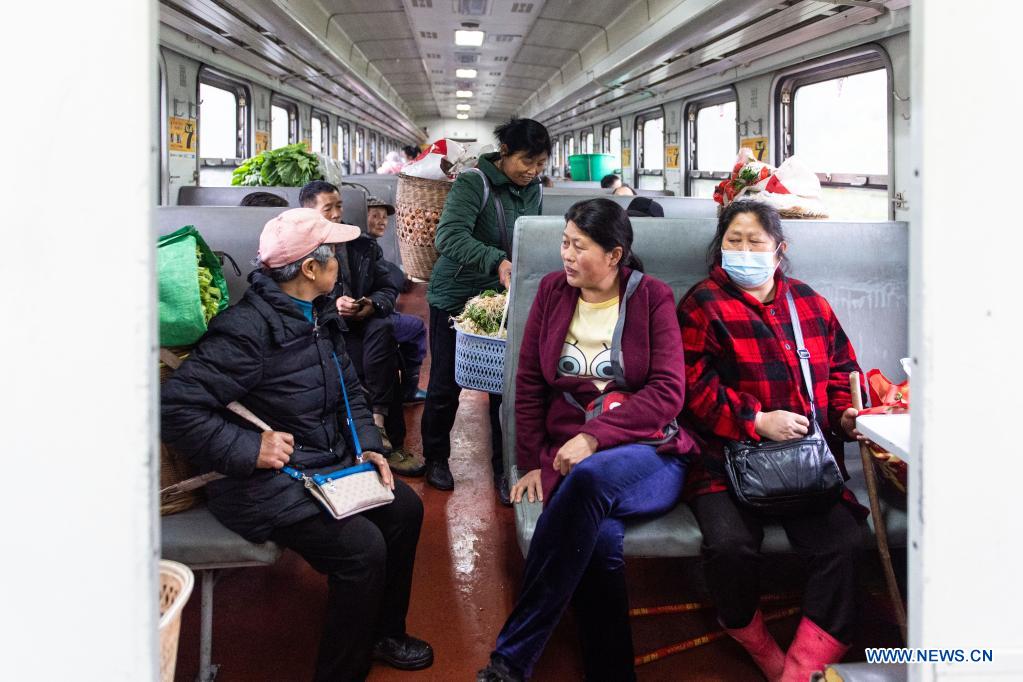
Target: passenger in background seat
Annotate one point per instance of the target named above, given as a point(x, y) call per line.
point(621, 458)
point(268, 199)
point(743, 381)
point(365, 298)
point(610, 181)
point(645, 207)
point(475, 255)
point(624, 191)
point(410, 337)
point(274, 352)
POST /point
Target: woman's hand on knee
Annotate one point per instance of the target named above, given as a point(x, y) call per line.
point(528, 485)
point(380, 462)
point(577, 449)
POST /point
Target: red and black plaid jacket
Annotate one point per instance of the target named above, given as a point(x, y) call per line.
point(741, 359)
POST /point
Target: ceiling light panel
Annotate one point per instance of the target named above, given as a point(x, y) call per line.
point(463, 107)
point(463, 94)
point(461, 117)
point(465, 73)
point(469, 38)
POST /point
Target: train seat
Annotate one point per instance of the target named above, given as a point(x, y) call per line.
point(862, 269)
point(196, 539)
point(674, 207)
point(353, 199)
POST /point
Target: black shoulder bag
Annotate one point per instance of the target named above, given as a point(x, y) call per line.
point(789, 476)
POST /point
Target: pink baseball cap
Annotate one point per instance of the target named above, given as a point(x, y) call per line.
point(298, 232)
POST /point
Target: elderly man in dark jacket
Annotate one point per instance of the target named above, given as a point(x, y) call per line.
point(365, 298)
point(274, 352)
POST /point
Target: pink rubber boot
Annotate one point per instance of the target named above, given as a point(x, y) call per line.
point(760, 645)
point(812, 649)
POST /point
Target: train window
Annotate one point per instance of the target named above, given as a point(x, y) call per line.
point(712, 138)
point(569, 147)
point(344, 150)
point(835, 119)
point(613, 141)
point(360, 150)
point(223, 129)
point(321, 134)
point(588, 142)
point(650, 136)
point(372, 152)
point(283, 123)
point(555, 161)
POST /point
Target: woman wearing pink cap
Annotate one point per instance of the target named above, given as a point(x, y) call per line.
point(274, 352)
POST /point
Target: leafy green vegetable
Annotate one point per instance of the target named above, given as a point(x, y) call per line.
point(209, 295)
point(482, 314)
point(290, 166)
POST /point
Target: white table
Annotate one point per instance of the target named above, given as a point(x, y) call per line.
point(890, 431)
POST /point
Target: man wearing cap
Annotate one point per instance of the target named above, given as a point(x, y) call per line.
point(274, 352)
point(409, 330)
point(365, 298)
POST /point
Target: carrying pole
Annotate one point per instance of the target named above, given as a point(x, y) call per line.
point(880, 530)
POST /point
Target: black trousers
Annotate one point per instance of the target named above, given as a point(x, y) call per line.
point(368, 560)
point(827, 540)
point(373, 350)
point(442, 397)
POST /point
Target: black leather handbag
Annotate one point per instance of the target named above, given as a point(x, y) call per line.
point(786, 477)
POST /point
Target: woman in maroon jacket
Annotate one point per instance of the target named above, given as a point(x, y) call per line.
point(743, 382)
point(592, 473)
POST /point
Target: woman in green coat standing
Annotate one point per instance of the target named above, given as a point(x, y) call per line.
point(475, 255)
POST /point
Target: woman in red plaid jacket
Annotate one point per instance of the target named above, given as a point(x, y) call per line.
point(743, 382)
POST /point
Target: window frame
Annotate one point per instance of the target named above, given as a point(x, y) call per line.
point(583, 135)
point(690, 113)
point(243, 99)
point(344, 145)
point(291, 106)
point(637, 133)
point(325, 137)
point(360, 150)
point(605, 140)
point(847, 63)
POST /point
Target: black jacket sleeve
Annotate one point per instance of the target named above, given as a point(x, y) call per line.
point(225, 366)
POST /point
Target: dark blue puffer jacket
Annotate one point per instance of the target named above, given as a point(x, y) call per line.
point(263, 353)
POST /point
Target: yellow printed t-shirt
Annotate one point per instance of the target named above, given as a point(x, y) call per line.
point(587, 349)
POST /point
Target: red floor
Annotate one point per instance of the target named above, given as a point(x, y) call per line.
point(267, 620)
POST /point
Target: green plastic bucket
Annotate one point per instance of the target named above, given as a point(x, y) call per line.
point(592, 166)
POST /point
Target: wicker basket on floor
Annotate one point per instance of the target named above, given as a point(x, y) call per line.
point(174, 468)
point(419, 203)
point(176, 581)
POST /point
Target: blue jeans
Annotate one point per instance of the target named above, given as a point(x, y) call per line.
point(581, 533)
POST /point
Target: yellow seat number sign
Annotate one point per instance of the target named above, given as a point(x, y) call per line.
point(182, 134)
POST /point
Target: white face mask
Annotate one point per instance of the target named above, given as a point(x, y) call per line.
point(749, 269)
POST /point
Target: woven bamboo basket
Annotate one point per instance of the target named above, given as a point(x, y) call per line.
point(419, 204)
point(174, 468)
point(176, 581)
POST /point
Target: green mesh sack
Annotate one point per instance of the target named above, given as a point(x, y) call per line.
point(191, 284)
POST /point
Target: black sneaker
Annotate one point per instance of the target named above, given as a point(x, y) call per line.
point(497, 671)
point(503, 490)
point(415, 397)
point(438, 474)
point(404, 653)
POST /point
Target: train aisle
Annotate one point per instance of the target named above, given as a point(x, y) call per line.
point(267, 620)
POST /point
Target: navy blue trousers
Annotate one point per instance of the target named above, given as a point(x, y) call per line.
point(577, 547)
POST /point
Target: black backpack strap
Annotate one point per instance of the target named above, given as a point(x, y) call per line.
point(502, 220)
